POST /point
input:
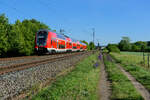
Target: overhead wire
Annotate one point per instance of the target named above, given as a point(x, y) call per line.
point(23, 14)
point(53, 11)
point(20, 12)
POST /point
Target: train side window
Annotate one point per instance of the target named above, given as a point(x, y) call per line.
point(51, 42)
point(61, 46)
point(57, 44)
point(74, 47)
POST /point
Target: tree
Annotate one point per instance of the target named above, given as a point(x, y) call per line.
point(29, 29)
point(124, 44)
point(142, 45)
point(22, 35)
point(54, 30)
point(148, 43)
point(4, 27)
point(85, 42)
point(113, 48)
point(16, 40)
point(136, 48)
point(91, 46)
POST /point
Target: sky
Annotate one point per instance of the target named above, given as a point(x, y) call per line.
point(111, 19)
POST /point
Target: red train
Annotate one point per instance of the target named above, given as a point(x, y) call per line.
point(50, 42)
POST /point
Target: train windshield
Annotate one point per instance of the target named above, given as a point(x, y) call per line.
point(41, 38)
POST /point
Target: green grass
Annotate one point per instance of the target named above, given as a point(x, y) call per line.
point(132, 58)
point(140, 73)
point(122, 88)
point(80, 84)
point(134, 53)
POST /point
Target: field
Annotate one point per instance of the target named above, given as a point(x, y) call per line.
point(132, 58)
point(80, 84)
point(132, 63)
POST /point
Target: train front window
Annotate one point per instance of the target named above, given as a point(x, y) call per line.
point(41, 38)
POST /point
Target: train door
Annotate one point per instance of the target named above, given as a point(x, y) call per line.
point(54, 44)
point(57, 45)
point(51, 43)
point(70, 45)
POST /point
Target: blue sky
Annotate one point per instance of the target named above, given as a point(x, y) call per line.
point(111, 19)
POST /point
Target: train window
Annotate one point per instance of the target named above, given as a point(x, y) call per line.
point(53, 41)
point(61, 46)
point(42, 33)
point(41, 38)
point(57, 44)
point(74, 47)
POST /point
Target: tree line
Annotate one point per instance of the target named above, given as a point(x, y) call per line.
point(18, 39)
point(126, 45)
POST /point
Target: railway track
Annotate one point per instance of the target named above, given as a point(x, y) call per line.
point(13, 59)
point(26, 59)
point(16, 58)
point(22, 66)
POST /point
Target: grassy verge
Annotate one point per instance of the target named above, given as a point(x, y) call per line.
point(80, 84)
point(141, 74)
point(134, 58)
point(122, 88)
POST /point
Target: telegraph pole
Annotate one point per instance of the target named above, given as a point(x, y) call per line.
point(93, 34)
point(61, 31)
point(98, 44)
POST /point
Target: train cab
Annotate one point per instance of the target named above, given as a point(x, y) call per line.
point(41, 41)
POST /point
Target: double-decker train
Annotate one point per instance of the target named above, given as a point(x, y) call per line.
point(50, 42)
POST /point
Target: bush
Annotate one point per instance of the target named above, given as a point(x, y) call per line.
point(105, 50)
point(113, 48)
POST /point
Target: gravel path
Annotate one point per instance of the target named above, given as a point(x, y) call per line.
point(14, 83)
point(104, 84)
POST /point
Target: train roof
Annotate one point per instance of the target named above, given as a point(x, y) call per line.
point(82, 43)
point(61, 36)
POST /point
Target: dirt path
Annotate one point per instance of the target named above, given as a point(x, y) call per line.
point(139, 87)
point(104, 84)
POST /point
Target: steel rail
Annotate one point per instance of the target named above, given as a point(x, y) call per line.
point(22, 66)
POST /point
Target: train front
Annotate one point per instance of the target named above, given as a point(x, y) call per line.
point(41, 41)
